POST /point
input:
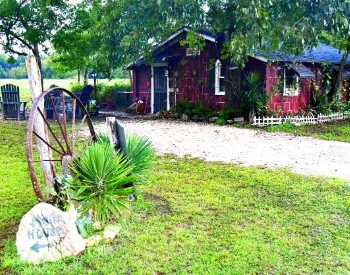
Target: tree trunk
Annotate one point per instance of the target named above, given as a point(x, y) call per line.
point(232, 85)
point(79, 72)
point(39, 64)
point(337, 80)
point(35, 85)
point(86, 76)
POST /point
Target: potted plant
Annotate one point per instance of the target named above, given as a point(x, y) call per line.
point(140, 106)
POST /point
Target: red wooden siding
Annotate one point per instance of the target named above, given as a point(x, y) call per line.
point(142, 85)
point(286, 104)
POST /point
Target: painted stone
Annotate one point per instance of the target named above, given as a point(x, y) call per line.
point(47, 234)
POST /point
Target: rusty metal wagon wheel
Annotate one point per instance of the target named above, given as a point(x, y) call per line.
point(66, 130)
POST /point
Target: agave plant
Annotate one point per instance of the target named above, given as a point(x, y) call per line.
point(101, 182)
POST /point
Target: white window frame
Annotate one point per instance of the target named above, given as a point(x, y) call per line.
point(218, 76)
point(290, 91)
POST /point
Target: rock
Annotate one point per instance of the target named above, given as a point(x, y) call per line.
point(47, 234)
point(184, 117)
point(239, 119)
point(213, 119)
point(195, 118)
point(110, 232)
point(93, 240)
point(230, 121)
point(131, 109)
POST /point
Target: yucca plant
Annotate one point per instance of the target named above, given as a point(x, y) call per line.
point(100, 179)
point(140, 154)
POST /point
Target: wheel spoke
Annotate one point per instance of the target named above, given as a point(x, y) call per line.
point(43, 140)
point(57, 131)
point(65, 136)
point(51, 131)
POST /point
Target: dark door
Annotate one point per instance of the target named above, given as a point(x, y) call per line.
point(160, 89)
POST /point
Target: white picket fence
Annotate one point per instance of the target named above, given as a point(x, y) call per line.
point(297, 120)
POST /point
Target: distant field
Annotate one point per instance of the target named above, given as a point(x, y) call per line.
point(64, 83)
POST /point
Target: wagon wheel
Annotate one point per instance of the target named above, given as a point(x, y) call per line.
point(64, 134)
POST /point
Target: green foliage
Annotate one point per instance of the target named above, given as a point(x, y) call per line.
point(140, 154)
point(229, 113)
point(100, 176)
point(193, 109)
point(336, 130)
point(284, 127)
point(253, 95)
point(106, 92)
point(220, 121)
point(76, 87)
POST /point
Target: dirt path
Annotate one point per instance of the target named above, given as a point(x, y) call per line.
point(244, 146)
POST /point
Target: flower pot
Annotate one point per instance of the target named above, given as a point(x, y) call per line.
point(140, 108)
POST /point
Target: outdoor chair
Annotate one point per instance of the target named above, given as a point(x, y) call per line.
point(85, 98)
point(12, 107)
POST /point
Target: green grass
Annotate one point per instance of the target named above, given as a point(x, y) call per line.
point(198, 217)
point(336, 130)
point(64, 83)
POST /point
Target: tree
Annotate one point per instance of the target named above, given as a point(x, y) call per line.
point(25, 26)
point(76, 43)
point(130, 29)
point(336, 25)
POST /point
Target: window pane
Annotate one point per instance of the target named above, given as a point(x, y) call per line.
point(222, 85)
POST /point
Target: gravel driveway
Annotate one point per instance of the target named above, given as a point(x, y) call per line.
point(303, 155)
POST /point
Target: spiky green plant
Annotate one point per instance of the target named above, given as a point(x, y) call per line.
point(140, 154)
point(101, 175)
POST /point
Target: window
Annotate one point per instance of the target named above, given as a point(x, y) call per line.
point(289, 81)
point(219, 78)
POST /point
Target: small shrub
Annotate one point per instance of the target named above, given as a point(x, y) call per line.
point(220, 121)
point(193, 109)
point(230, 113)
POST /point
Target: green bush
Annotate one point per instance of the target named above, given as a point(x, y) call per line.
point(105, 92)
point(229, 113)
point(220, 121)
point(193, 109)
point(76, 87)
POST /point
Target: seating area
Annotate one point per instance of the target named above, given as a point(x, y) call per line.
point(12, 106)
point(55, 101)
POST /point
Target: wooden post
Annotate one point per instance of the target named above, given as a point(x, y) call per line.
point(35, 86)
point(112, 132)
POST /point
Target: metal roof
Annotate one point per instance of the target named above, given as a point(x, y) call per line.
point(321, 54)
point(346, 74)
point(302, 70)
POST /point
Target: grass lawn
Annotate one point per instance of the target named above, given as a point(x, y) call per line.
point(198, 217)
point(336, 130)
point(64, 83)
